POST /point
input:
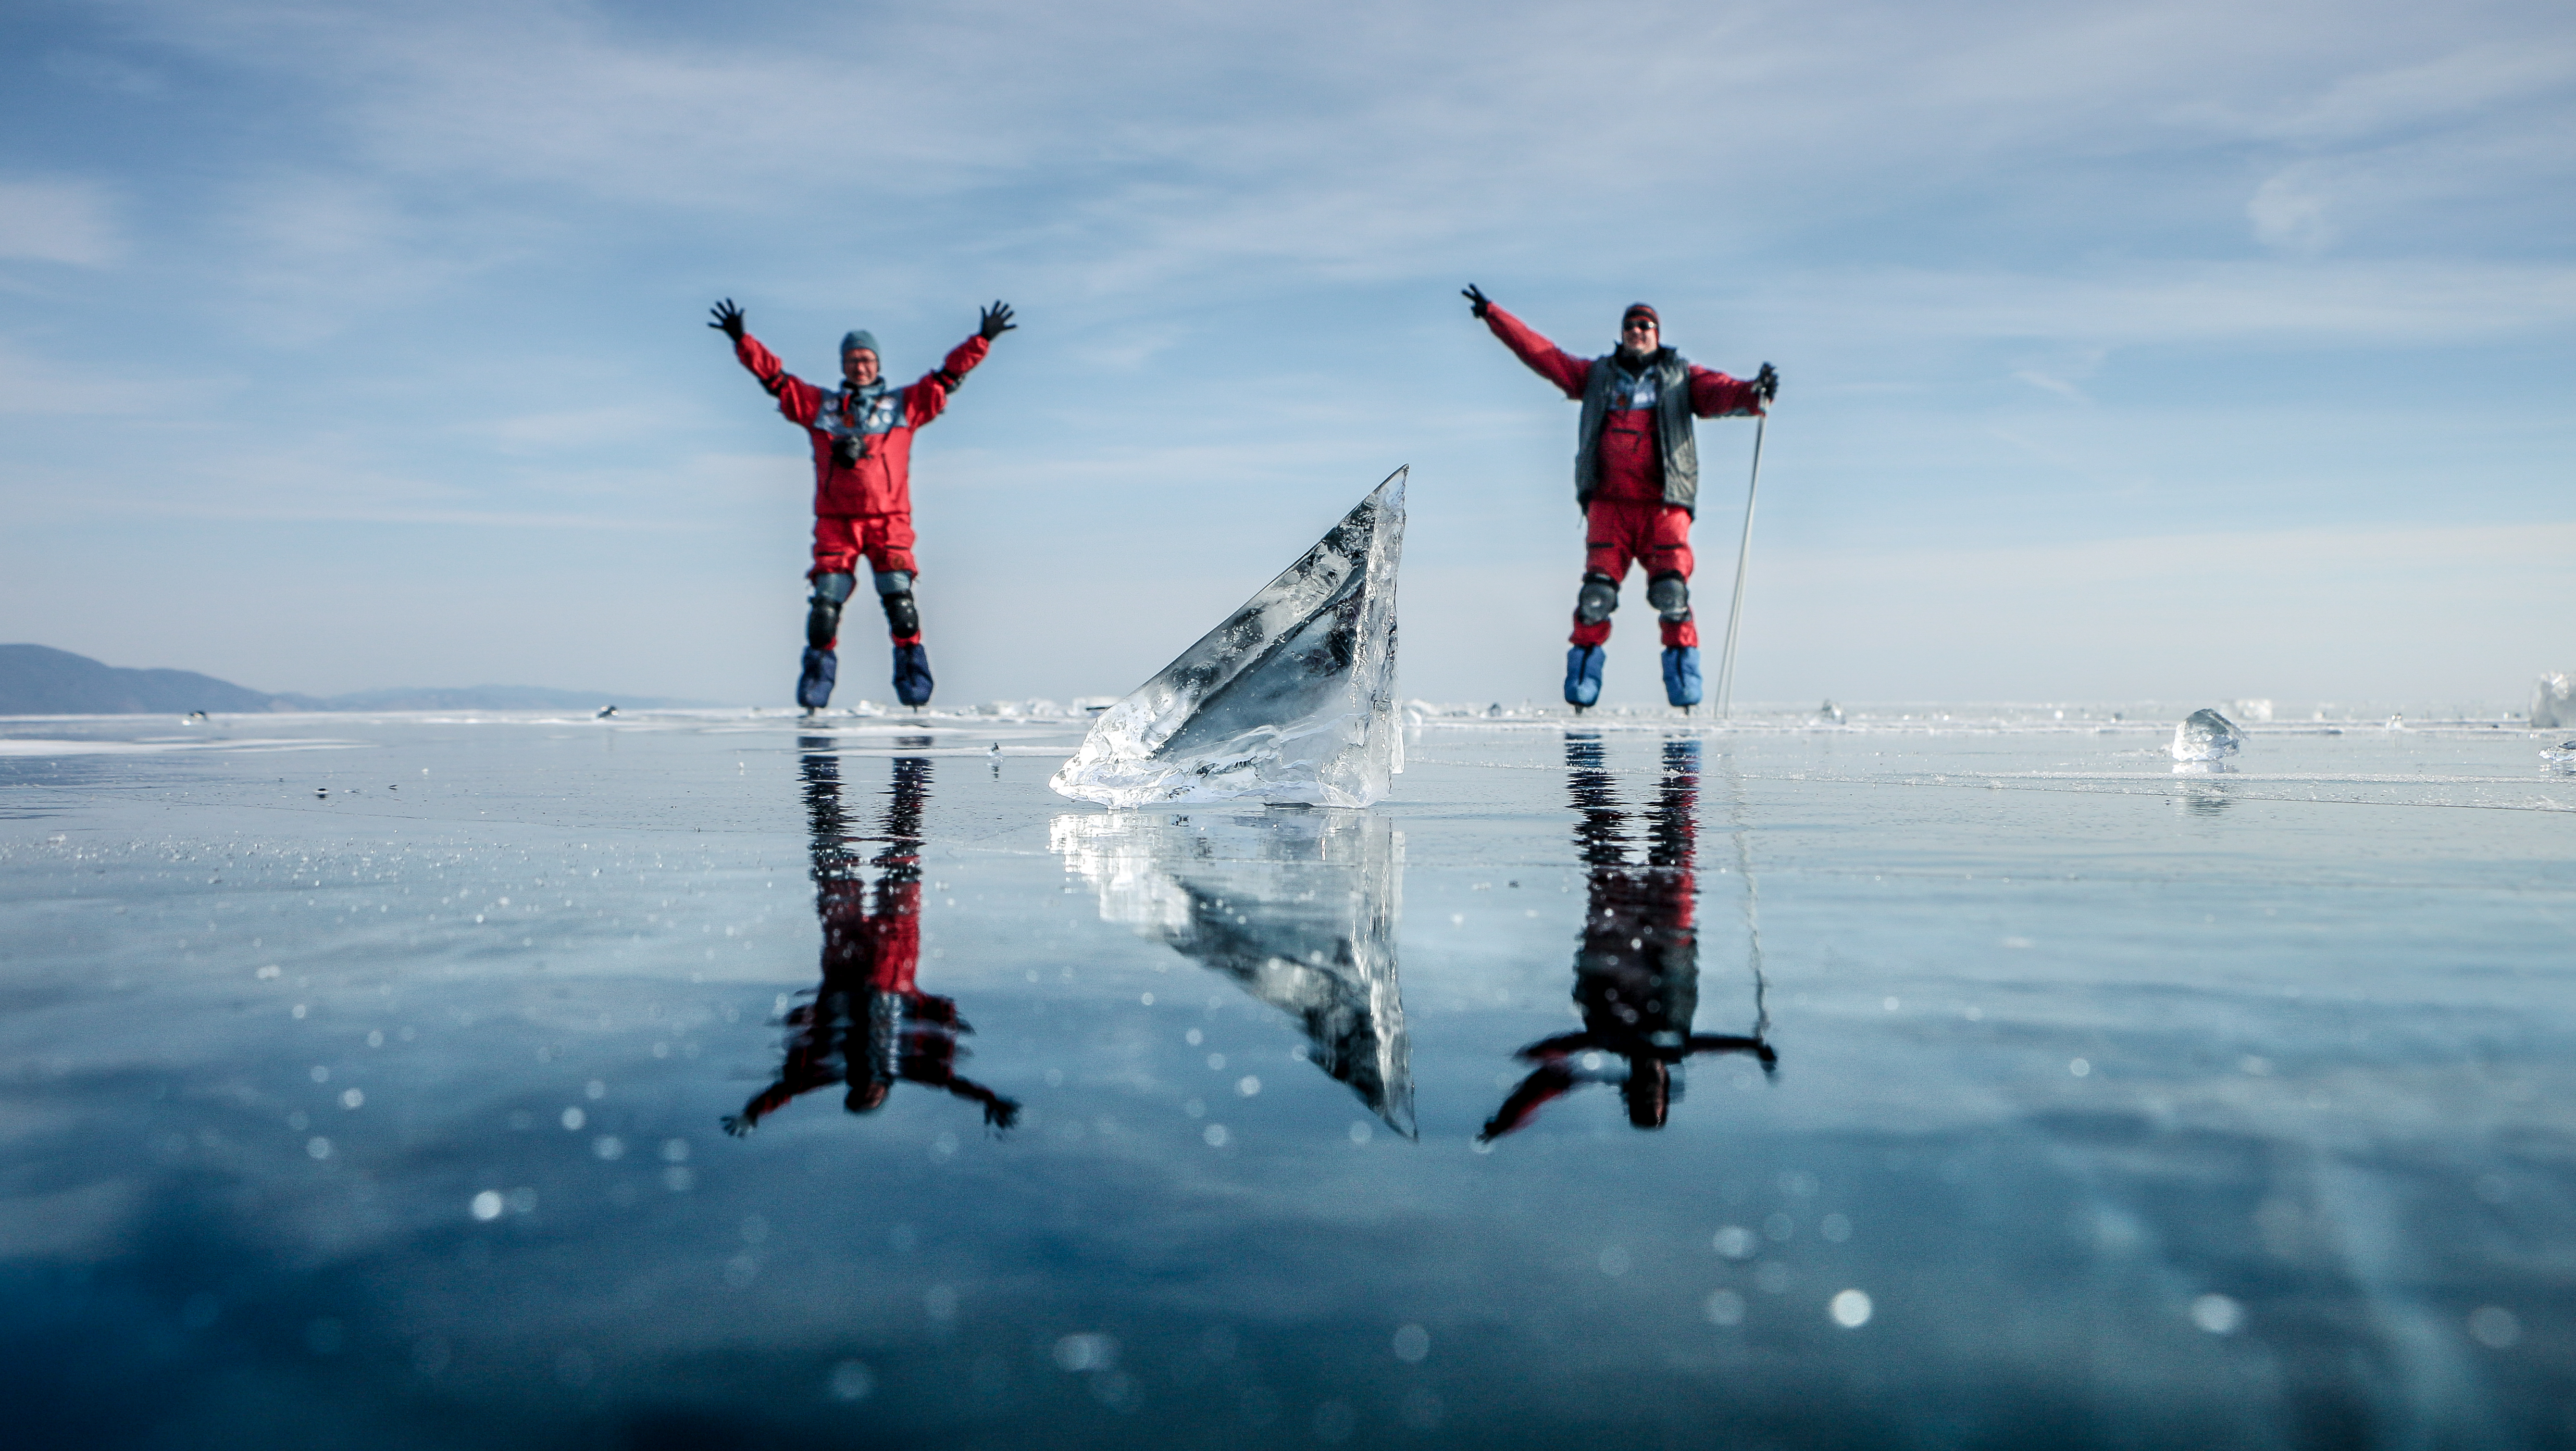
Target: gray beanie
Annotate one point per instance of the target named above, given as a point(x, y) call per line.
point(859, 338)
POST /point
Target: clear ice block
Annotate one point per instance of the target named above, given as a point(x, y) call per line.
point(1291, 700)
point(2206, 739)
point(1296, 908)
point(2551, 705)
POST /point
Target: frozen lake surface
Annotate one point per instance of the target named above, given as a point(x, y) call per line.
point(1972, 1079)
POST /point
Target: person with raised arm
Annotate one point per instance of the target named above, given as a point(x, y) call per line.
point(862, 438)
point(1636, 478)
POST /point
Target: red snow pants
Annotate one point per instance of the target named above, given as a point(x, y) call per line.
point(1650, 532)
point(840, 539)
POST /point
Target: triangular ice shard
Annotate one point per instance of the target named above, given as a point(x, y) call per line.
point(1292, 699)
point(1298, 909)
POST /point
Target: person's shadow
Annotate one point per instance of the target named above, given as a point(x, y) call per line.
point(1636, 973)
point(868, 1025)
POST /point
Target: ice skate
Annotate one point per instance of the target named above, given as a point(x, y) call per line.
point(1583, 676)
point(814, 686)
point(912, 675)
point(1681, 675)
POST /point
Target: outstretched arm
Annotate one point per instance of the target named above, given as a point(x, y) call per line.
point(801, 401)
point(762, 1104)
point(1715, 395)
point(1729, 1043)
point(1544, 358)
point(1000, 1112)
point(1548, 1082)
point(928, 398)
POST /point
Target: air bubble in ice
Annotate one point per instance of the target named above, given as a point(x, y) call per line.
point(2206, 739)
point(1290, 700)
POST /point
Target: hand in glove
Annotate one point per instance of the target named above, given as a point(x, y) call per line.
point(997, 321)
point(1766, 384)
point(728, 319)
point(736, 1124)
point(1477, 301)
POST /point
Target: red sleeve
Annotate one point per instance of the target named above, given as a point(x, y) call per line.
point(769, 1100)
point(927, 399)
point(1535, 1091)
point(1545, 358)
point(1715, 395)
point(801, 401)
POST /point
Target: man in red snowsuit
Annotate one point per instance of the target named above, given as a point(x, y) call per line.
point(862, 437)
point(1636, 477)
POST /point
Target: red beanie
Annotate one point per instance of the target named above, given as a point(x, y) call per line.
point(1634, 309)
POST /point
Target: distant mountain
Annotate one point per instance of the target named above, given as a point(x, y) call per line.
point(37, 680)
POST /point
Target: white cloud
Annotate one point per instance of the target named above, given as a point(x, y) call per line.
point(54, 220)
point(2289, 212)
point(2473, 80)
point(36, 385)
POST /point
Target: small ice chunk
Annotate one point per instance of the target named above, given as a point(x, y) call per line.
point(2561, 757)
point(2251, 710)
point(1831, 712)
point(2551, 705)
point(2206, 737)
point(1290, 700)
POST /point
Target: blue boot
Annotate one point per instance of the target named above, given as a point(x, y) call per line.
point(814, 686)
point(1681, 674)
point(912, 675)
point(1583, 675)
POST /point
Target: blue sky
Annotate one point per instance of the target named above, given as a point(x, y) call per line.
point(2188, 351)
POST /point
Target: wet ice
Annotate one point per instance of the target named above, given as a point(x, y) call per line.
point(1291, 700)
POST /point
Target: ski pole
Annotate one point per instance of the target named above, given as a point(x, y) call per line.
point(1743, 553)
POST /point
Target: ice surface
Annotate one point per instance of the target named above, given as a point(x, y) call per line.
point(1297, 909)
point(1291, 700)
point(392, 1117)
point(2206, 738)
point(2551, 706)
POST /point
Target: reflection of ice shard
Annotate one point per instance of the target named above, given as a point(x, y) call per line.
point(2206, 738)
point(1291, 700)
point(1298, 908)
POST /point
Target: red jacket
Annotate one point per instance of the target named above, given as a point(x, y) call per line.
point(1631, 462)
point(881, 419)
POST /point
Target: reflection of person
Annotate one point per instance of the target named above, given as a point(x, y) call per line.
point(868, 1025)
point(862, 436)
point(1636, 976)
point(1636, 478)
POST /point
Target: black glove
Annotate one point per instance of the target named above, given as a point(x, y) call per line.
point(997, 321)
point(1477, 301)
point(728, 319)
point(1766, 384)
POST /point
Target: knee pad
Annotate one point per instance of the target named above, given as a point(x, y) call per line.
point(823, 612)
point(1600, 596)
point(1670, 595)
point(903, 617)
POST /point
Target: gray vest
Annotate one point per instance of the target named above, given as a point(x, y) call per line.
point(1675, 436)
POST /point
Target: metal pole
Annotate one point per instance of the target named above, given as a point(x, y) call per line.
point(1743, 553)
